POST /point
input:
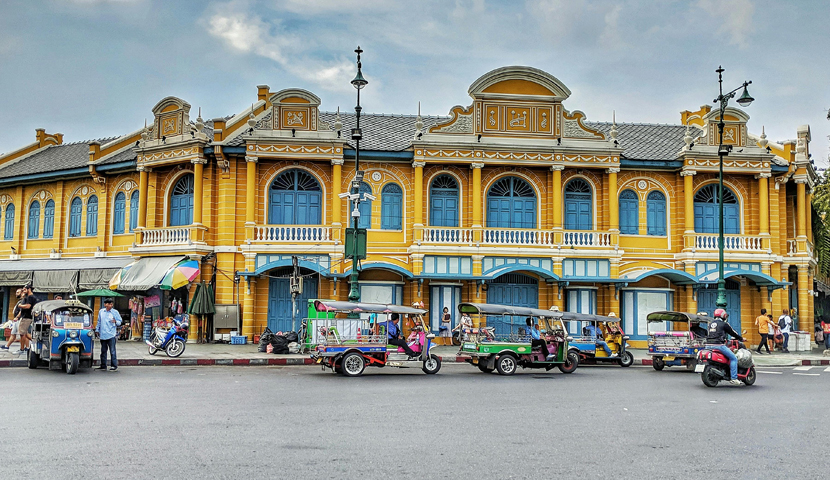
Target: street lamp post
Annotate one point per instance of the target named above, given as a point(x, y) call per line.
point(723, 150)
point(358, 83)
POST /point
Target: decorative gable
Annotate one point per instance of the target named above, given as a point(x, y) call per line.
point(171, 116)
point(734, 129)
point(295, 109)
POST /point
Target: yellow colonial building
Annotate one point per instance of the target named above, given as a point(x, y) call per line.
point(514, 198)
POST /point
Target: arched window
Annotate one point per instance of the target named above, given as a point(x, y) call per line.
point(656, 212)
point(511, 203)
point(443, 202)
point(629, 213)
point(34, 220)
point(365, 207)
point(49, 219)
point(75, 210)
point(579, 211)
point(295, 198)
point(92, 216)
point(181, 202)
point(134, 199)
point(119, 213)
point(391, 210)
point(707, 210)
point(8, 232)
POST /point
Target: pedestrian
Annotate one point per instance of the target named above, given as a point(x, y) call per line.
point(825, 327)
point(785, 323)
point(763, 323)
point(446, 320)
point(108, 322)
point(15, 319)
point(27, 303)
point(772, 333)
point(58, 297)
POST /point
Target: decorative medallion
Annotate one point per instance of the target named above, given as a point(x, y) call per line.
point(4, 198)
point(42, 195)
point(376, 176)
point(84, 190)
point(642, 184)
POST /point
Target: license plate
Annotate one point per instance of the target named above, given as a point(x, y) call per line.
point(73, 325)
point(72, 349)
point(699, 368)
point(668, 358)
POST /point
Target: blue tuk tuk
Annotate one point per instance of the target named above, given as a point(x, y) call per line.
point(62, 336)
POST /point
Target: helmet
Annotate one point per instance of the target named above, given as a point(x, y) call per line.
point(720, 313)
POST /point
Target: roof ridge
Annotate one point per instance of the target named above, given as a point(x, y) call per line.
point(391, 115)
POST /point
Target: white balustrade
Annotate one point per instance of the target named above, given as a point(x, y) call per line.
point(166, 236)
point(291, 233)
point(505, 236)
point(792, 247)
point(741, 243)
point(448, 235)
point(586, 239)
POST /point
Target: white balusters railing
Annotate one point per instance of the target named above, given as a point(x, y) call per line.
point(506, 236)
point(291, 233)
point(448, 235)
point(166, 236)
point(586, 239)
point(742, 243)
point(792, 247)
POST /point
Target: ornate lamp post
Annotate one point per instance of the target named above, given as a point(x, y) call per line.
point(358, 83)
point(723, 150)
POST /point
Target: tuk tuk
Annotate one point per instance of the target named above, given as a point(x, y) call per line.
point(684, 336)
point(597, 328)
point(62, 336)
point(355, 337)
point(503, 340)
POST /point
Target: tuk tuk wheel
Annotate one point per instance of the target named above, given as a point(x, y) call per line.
point(72, 361)
point(432, 365)
point(33, 358)
point(571, 362)
point(658, 363)
point(483, 367)
point(353, 364)
point(627, 359)
point(690, 365)
point(506, 364)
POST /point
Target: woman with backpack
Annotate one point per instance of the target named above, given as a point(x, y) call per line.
point(785, 323)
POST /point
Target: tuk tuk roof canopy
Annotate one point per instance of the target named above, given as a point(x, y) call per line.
point(493, 309)
point(52, 305)
point(335, 306)
point(677, 317)
point(586, 317)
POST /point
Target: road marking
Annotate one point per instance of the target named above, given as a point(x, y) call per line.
point(773, 373)
point(802, 368)
point(808, 374)
point(827, 369)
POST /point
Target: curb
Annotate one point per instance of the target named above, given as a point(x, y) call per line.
point(295, 361)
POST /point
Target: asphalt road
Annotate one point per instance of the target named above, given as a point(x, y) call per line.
point(298, 422)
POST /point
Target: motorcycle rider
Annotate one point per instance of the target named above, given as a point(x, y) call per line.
point(716, 340)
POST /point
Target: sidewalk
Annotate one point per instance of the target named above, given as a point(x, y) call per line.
point(135, 353)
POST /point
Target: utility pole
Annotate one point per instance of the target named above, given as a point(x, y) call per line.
point(296, 285)
point(354, 292)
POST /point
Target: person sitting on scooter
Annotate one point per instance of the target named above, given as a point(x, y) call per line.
point(596, 334)
point(716, 340)
point(394, 336)
point(536, 340)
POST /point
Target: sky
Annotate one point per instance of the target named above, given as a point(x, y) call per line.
point(95, 68)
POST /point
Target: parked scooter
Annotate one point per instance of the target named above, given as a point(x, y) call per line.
point(172, 340)
point(713, 365)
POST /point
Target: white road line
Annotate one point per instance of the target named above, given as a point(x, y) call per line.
point(802, 368)
point(773, 373)
point(827, 369)
point(808, 374)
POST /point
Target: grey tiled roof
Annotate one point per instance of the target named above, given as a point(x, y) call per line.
point(392, 133)
point(59, 157)
point(124, 156)
point(647, 141)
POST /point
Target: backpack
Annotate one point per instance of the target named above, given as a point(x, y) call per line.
point(781, 322)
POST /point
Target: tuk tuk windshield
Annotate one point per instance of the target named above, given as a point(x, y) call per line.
point(61, 319)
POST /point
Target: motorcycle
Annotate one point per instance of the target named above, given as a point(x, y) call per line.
point(172, 340)
point(713, 365)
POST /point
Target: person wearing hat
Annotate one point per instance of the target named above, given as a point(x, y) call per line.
point(26, 305)
point(108, 322)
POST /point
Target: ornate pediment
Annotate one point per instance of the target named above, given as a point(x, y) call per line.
point(294, 109)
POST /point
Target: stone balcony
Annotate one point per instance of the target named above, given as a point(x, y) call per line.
point(518, 237)
point(188, 238)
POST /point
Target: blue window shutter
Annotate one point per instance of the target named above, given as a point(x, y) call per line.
point(75, 209)
point(181, 202)
point(92, 216)
point(578, 205)
point(365, 207)
point(391, 207)
point(49, 219)
point(443, 202)
point(511, 203)
point(295, 198)
point(134, 199)
point(656, 212)
point(119, 213)
point(8, 232)
point(34, 220)
point(707, 210)
point(629, 213)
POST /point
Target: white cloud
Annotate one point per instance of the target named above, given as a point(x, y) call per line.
point(736, 16)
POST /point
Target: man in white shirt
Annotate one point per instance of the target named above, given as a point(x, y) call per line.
point(785, 323)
